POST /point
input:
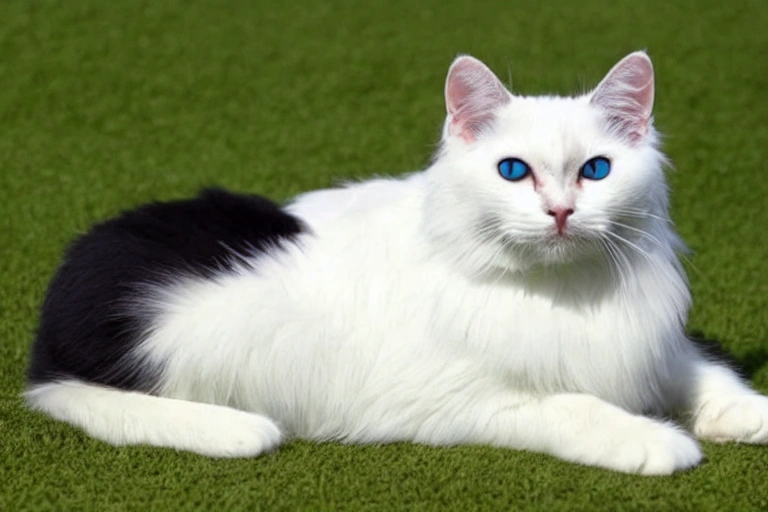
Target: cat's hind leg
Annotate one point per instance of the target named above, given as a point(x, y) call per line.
point(123, 417)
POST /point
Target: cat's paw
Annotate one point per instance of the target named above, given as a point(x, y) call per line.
point(250, 437)
point(741, 418)
point(649, 447)
point(230, 433)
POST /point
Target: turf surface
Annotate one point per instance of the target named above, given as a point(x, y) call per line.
point(104, 105)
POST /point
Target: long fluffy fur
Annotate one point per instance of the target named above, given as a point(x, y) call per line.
point(436, 308)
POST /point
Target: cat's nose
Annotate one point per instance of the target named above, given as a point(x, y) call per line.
point(561, 217)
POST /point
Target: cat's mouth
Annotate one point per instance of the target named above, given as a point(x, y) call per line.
point(548, 246)
point(558, 235)
point(566, 244)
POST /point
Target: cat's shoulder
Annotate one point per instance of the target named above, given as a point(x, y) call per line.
point(357, 201)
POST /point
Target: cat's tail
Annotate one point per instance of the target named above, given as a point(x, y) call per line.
point(127, 417)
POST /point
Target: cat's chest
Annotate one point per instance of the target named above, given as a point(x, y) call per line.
point(619, 348)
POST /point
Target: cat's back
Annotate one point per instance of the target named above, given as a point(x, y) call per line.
point(91, 320)
point(369, 204)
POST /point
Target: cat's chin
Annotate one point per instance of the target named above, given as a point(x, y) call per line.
point(565, 254)
point(561, 252)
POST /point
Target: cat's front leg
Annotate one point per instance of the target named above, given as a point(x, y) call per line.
point(723, 408)
point(575, 427)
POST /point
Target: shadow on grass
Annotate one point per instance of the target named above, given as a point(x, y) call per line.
point(747, 364)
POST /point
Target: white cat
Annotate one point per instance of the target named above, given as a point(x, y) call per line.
point(522, 292)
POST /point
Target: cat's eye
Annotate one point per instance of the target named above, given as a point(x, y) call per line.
point(596, 168)
point(514, 169)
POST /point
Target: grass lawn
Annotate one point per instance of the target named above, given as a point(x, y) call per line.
point(107, 104)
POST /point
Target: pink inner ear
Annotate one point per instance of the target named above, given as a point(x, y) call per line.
point(472, 96)
point(626, 94)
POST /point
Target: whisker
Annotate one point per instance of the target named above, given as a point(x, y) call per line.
point(617, 260)
point(640, 231)
point(632, 212)
point(638, 214)
point(634, 246)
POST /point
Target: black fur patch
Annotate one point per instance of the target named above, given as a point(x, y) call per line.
point(85, 329)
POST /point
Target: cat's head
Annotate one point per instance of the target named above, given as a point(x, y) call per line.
point(525, 181)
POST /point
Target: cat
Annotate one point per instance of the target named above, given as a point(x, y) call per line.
point(524, 291)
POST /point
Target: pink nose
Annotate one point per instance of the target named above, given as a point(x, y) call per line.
point(561, 217)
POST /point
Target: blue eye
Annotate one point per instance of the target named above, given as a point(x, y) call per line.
point(514, 169)
point(596, 168)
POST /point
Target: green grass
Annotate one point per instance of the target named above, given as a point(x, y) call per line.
point(104, 105)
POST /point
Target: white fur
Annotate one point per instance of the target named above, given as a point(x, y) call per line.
point(124, 418)
point(441, 308)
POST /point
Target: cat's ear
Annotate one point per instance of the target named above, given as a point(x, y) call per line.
point(626, 95)
point(472, 96)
